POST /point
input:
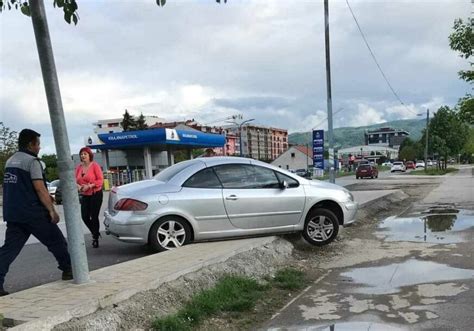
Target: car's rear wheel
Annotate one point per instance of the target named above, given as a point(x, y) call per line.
point(168, 233)
point(321, 227)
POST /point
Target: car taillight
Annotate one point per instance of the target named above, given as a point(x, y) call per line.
point(130, 205)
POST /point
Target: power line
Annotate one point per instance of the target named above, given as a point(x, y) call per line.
point(375, 60)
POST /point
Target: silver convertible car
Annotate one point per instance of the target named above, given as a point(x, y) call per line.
point(226, 197)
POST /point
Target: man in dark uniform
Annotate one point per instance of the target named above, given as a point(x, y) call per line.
point(28, 208)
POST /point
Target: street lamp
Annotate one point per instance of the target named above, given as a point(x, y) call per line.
point(240, 132)
point(426, 135)
point(258, 144)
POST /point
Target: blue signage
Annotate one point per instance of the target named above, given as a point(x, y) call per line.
point(318, 149)
point(161, 136)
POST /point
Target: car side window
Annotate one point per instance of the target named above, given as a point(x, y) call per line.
point(205, 178)
point(246, 176)
point(291, 182)
point(265, 178)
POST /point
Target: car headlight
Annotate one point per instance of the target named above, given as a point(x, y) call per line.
point(349, 195)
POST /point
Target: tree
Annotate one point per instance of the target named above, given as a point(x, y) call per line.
point(128, 123)
point(465, 107)
point(462, 41)
point(8, 146)
point(141, 124)
point(449, 132)
point(51, 162)
point(407, 153)
point(69, 7)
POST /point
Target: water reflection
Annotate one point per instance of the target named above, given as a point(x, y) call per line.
point(390, 278)
point(435, 228)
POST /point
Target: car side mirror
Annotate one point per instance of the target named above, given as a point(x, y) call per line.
point(283, 185)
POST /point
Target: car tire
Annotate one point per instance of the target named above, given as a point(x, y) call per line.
point(321, 227)
point(357, 177)
point(168, 233)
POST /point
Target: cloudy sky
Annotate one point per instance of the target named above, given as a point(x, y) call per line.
point(259, 58)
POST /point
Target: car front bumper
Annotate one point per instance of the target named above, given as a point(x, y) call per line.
point(350, 212)
point(127, 227)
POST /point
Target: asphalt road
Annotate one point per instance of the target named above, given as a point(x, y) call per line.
point(35, 265)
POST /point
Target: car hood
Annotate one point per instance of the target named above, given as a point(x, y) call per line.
point(149, 186)
point(324, 185)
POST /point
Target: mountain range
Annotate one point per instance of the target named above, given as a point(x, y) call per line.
point(354, 136)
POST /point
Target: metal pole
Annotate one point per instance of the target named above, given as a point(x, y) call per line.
point(332, 178)
point(426, 141)
point(72, 214)
point(240, 138)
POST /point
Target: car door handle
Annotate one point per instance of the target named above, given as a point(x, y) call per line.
point(232, 197)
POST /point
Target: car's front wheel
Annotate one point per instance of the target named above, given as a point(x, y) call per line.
point(168, 233)
point(321, 227)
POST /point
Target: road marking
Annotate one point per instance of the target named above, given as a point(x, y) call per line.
point(299, 295)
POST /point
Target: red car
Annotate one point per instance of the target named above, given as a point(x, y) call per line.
point(410, 165)
point(367, 170)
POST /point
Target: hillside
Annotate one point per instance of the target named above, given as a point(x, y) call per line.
point(353, 136)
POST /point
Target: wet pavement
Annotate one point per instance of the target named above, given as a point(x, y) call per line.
point(413, 271)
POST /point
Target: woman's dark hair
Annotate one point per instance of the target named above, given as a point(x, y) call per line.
point(27, 136)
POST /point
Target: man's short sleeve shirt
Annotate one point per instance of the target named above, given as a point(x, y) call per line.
point(21, 203)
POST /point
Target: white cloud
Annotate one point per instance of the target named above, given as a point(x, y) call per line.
point(366, 115)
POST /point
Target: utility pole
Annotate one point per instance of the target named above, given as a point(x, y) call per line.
point(426, 138)
point(75, 235)
point(332, 177)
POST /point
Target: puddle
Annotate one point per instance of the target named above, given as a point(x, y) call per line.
point(348, 326)
point(390, 278)
point(436, 226)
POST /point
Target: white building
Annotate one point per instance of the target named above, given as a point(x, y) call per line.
point(113, 125)
point(296, 157)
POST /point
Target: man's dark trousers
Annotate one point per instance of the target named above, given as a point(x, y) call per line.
point(47, 233)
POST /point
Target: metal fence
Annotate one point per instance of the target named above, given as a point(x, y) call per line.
point(123, 177)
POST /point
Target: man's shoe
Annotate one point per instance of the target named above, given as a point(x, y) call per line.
point(3, 292)
point(67, 275)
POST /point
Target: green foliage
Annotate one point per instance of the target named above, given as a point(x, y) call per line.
point(51, 162)
point(468, 149)
point(8, 146)
point(128, 122)
point(289, 279)
point(69, 8)
point(449, 133)
point(462, 41)
point(141, 125)
point(411, 150)
point(465, 108)
point(231, 294)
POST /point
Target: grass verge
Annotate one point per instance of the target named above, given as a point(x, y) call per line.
point(433, 172)
point(231, 296)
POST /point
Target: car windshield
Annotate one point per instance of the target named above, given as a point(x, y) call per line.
point(54, 183)
point(397, 163)
point(170, 172)
point(364, 166)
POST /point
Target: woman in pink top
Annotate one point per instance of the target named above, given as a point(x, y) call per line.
point(89, 180)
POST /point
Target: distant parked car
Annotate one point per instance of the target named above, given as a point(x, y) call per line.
point(429, 163)
point(398, 166)
point(225, 197)
point(54, 190)
point(387, 164)
point(420, 164)
point(367, 170)
point(303, 173)
point(410, 165)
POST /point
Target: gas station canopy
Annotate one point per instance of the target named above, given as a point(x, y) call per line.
point(148, 138)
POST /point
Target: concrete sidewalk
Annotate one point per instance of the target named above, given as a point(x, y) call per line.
point(43, 307)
